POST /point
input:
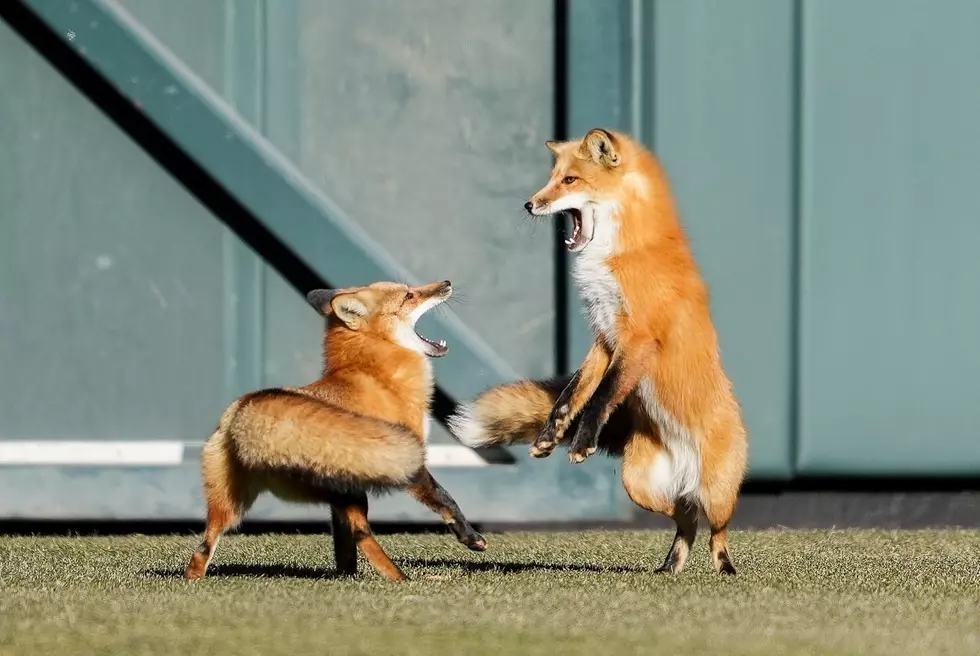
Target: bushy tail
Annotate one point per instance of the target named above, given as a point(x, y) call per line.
point(513, 413)
point(288, 432)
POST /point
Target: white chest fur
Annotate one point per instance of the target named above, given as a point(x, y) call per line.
point(600, 292)
point(597, 285)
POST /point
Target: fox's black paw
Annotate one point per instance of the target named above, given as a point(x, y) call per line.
point(541, 449)
point(575, 457)
point(546, 442)
point(468, 537)
point(723, 563)
point(582, 444)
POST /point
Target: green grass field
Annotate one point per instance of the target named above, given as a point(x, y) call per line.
point(798, 592)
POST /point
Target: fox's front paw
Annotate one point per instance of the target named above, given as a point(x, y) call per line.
point(576, 457)
point(546, 442)
point(541, 449)
point(581, 445)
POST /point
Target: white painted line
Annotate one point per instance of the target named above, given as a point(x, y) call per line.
point(451, 455)
point(161, 453)
point(116, 453)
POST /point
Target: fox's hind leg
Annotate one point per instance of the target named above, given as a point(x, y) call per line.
point(645, 477)
point(719, 493)
point(685, 515)
point(344, 548)
point(225, 490)
point(719, 506)
point(356, 515)
point(434, 497)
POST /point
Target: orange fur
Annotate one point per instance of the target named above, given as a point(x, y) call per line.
point(359, 428)
point(655, 362)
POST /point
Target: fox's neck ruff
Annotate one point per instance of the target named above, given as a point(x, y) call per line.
point(632, 232)
point(593, 274)
point(392, 365)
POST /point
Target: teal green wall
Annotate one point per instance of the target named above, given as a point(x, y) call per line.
point(889, 208)
point(822, 153)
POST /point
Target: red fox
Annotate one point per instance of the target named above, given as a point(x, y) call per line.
point(360, 428)
point(652, 388)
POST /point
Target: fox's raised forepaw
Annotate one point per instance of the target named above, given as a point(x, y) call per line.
point(541, 449)
point(576, 457)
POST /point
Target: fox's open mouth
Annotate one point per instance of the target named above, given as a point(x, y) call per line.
point(583, 228)
point(435, 349)
point(432, 348)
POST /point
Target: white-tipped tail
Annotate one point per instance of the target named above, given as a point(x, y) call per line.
point(466, 428)
point(513, 413)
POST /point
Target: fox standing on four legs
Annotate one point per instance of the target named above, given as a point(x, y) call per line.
point(361, 428)
point(652, 388)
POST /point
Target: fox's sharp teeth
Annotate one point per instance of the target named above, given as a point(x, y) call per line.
point(442, 343)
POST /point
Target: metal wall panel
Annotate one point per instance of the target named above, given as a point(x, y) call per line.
point(890, 236)
point(709, 86)
point(110, 304)
point(423, 123)
point(111, 285)
point(721, 117)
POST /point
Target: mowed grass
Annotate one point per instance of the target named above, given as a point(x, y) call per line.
point(798, 592)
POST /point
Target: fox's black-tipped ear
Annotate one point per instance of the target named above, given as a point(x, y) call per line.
point(600, 147)
point(320, 300)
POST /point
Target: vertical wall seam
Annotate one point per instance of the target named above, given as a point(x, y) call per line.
point(258, 267)
point(636, 70)
point(562, 100)
point(243, 272)
point(228, 239)
point(797, 218)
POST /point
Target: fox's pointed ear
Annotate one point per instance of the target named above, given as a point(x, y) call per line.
point(553, 146)
point(599, 146)
point(350, 309)
point(320, 300)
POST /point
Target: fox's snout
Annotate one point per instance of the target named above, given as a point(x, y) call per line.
point(538, 205)
point(442, 289)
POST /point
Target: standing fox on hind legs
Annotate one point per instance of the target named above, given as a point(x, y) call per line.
point(652, 388)
point(361, 428)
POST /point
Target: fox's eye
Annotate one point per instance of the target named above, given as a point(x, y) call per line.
point(409, 296)
point(568, 179)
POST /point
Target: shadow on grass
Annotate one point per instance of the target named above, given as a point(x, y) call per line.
point(298, 572)
point(510, 567)
point(261, 571)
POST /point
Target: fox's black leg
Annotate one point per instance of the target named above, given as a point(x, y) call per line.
point(344, 548)
point(686, 517)
point(434, 497)
point(558, 421)
point(624, 373)
point(585, 439)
